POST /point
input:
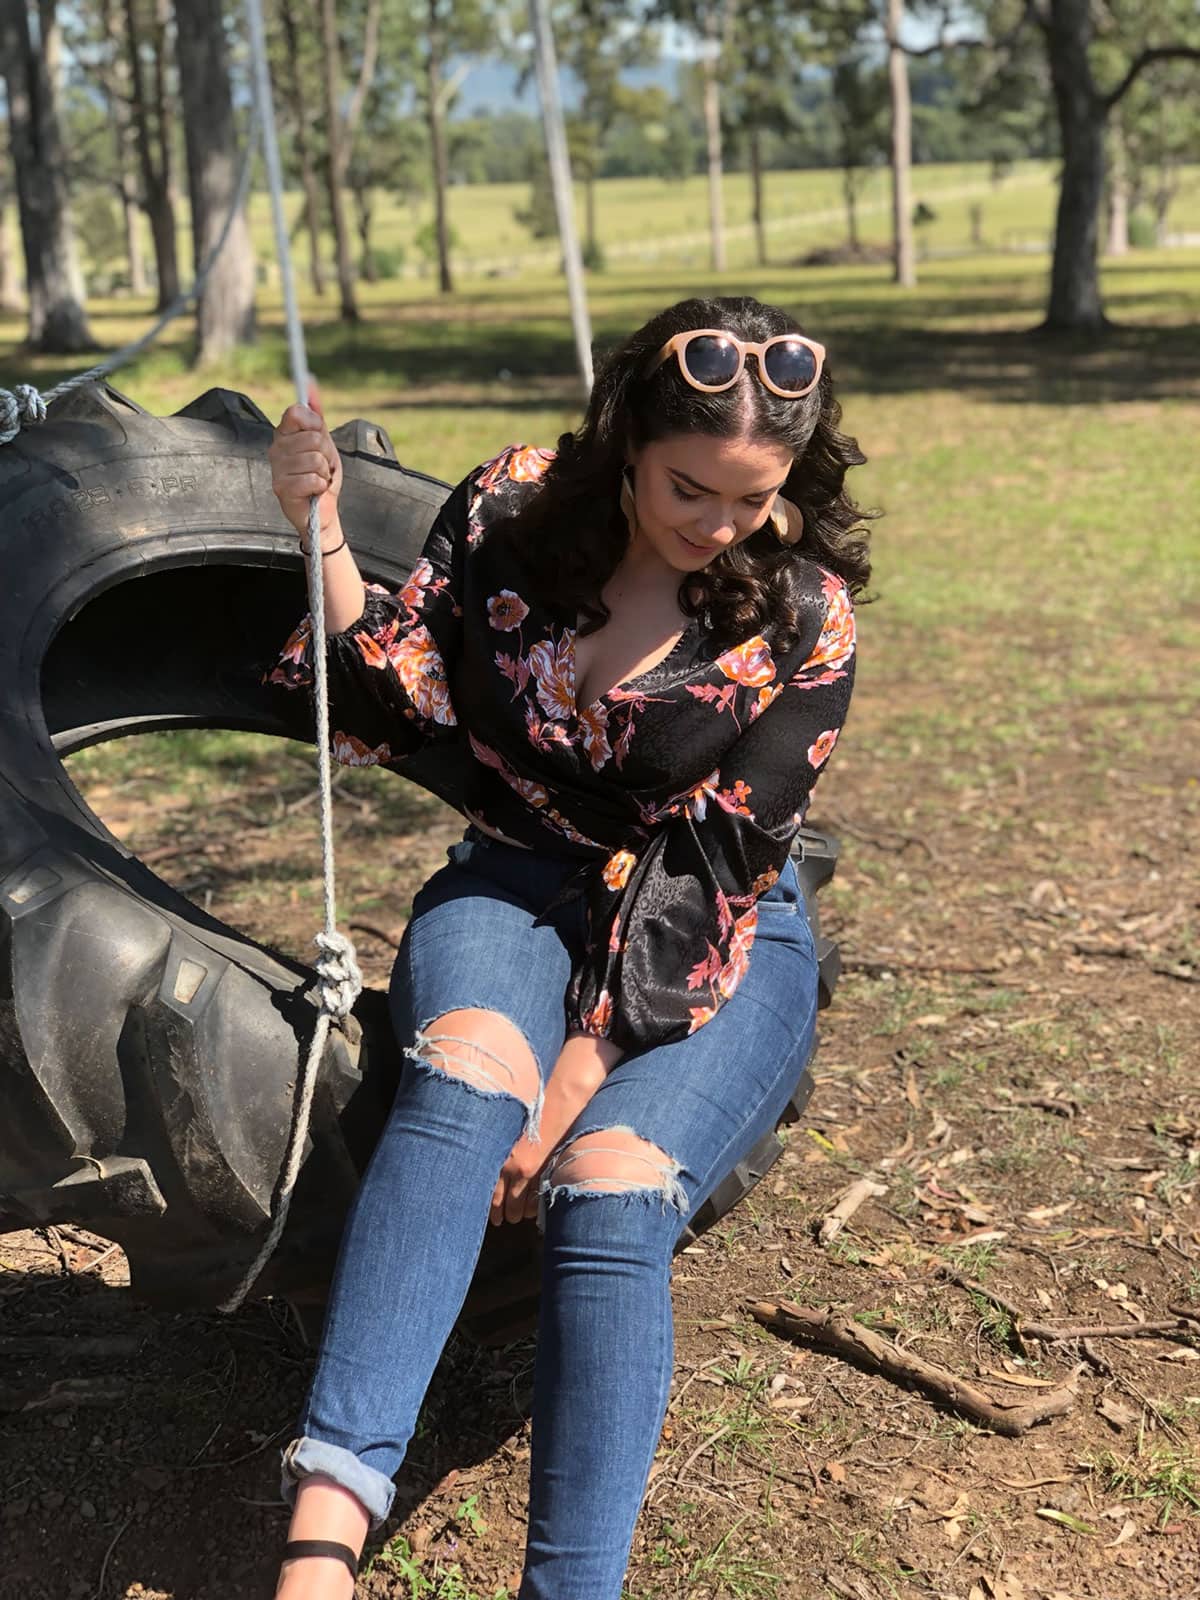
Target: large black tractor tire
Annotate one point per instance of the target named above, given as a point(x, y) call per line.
point(149, 1053)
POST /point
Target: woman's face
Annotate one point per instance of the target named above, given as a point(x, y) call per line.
point(697, 495)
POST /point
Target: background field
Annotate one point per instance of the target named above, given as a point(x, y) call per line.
point(1015, 1038)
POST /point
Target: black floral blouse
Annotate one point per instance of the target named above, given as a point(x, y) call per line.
point(680, 790)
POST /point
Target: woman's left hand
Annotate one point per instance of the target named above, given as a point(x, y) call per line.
point(581, 1068)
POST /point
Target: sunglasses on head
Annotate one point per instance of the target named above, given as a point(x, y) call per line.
point(712, 360)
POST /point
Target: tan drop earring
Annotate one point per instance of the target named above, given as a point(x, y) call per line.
point(787, 520)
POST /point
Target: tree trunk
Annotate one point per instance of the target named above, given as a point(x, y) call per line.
point(12, 301)
point(1075, 304)
point(756, 194)
point(225, 313)
point(589, 211)
point(155, 174)
point(437, 144)
point(116, 87)
point(52, 50)
point(164, 113)
point(904, 270)
point(332, 76)
point(308, 175)
point(712, 133)
point(850, 196)
point(57, 324)
point(364, 213)
point(1118, 193)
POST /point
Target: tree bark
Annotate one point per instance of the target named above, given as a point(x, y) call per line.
point(116, 87)
point(850, 196)
point(1075, 304)
point(156, 185)
point(12, 301)
point(437, 144)
point(366, 77)
point(1118, 193)
point(225, 313)
point(57, 323)
point(308, 174)
point(589, 211)
point(904, 271)
point(756, 194)
point(364, 215)
point(712, 134)
point(334, 162)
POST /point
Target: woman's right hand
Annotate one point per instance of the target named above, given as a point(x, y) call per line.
point(305, 461)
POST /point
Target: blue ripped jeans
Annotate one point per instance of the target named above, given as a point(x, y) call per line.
point(605, 1346)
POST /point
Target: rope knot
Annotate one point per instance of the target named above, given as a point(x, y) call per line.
point(341, 981)
point(21, 407)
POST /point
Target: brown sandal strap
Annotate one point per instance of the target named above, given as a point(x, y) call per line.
point(297, 1548)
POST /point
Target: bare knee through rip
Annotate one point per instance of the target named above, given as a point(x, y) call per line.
point(485, 1050)
point(616, 1161)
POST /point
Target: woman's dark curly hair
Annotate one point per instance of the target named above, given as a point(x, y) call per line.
point(570, 537)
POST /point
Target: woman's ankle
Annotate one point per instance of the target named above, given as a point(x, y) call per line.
point(314, 1578)
point(323, 1509)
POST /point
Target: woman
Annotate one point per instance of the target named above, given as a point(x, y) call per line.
point(625, 663)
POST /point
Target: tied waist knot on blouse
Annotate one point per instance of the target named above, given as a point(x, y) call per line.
point(680, 790)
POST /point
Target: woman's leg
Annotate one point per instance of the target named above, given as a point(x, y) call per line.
point(477, 997)
point(660, 1133)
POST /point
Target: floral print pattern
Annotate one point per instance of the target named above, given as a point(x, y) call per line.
point(679, 794)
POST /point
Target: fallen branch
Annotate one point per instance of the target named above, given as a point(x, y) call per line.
point(65, 1393)
point(841, 1336)
point(856, 1195)
point(1183, 1321)
point(874, 967)
point(376, 932)
point(1049, 1334)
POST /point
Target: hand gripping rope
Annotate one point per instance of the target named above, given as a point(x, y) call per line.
point(337, 967)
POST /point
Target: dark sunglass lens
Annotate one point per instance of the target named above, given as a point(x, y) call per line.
point(791, 365)
point(711, 360)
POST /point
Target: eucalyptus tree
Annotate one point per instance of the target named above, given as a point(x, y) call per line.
point(147, 45)
point(600, 41)
point(298, 75)
point(453, 30)
point(225, 310)
point(712, 26)
point(772, 49)
point(29, 56)
point(1094, 58)
point(860, 117)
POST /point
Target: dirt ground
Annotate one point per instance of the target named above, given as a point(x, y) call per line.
point(1011, 1055)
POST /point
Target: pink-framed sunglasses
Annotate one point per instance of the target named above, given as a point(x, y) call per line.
point(711, 360)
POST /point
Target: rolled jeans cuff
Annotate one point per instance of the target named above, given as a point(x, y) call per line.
point(303, 1457)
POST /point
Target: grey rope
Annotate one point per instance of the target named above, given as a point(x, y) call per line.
point(341, 980)
point(24, 407)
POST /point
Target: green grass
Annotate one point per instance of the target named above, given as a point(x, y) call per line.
point(1036, 569)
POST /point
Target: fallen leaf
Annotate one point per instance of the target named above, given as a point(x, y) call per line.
point(1040, 1215)
point(1023, 1379)
point(834, 1471)
point(1128, 1530)
point(1065, 1520)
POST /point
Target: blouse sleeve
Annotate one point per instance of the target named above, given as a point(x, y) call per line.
point(389, 672)
point(673, 924)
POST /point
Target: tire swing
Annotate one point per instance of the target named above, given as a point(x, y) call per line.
point(152, 1059)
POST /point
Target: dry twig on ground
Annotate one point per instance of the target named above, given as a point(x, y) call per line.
point(842, 1336)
